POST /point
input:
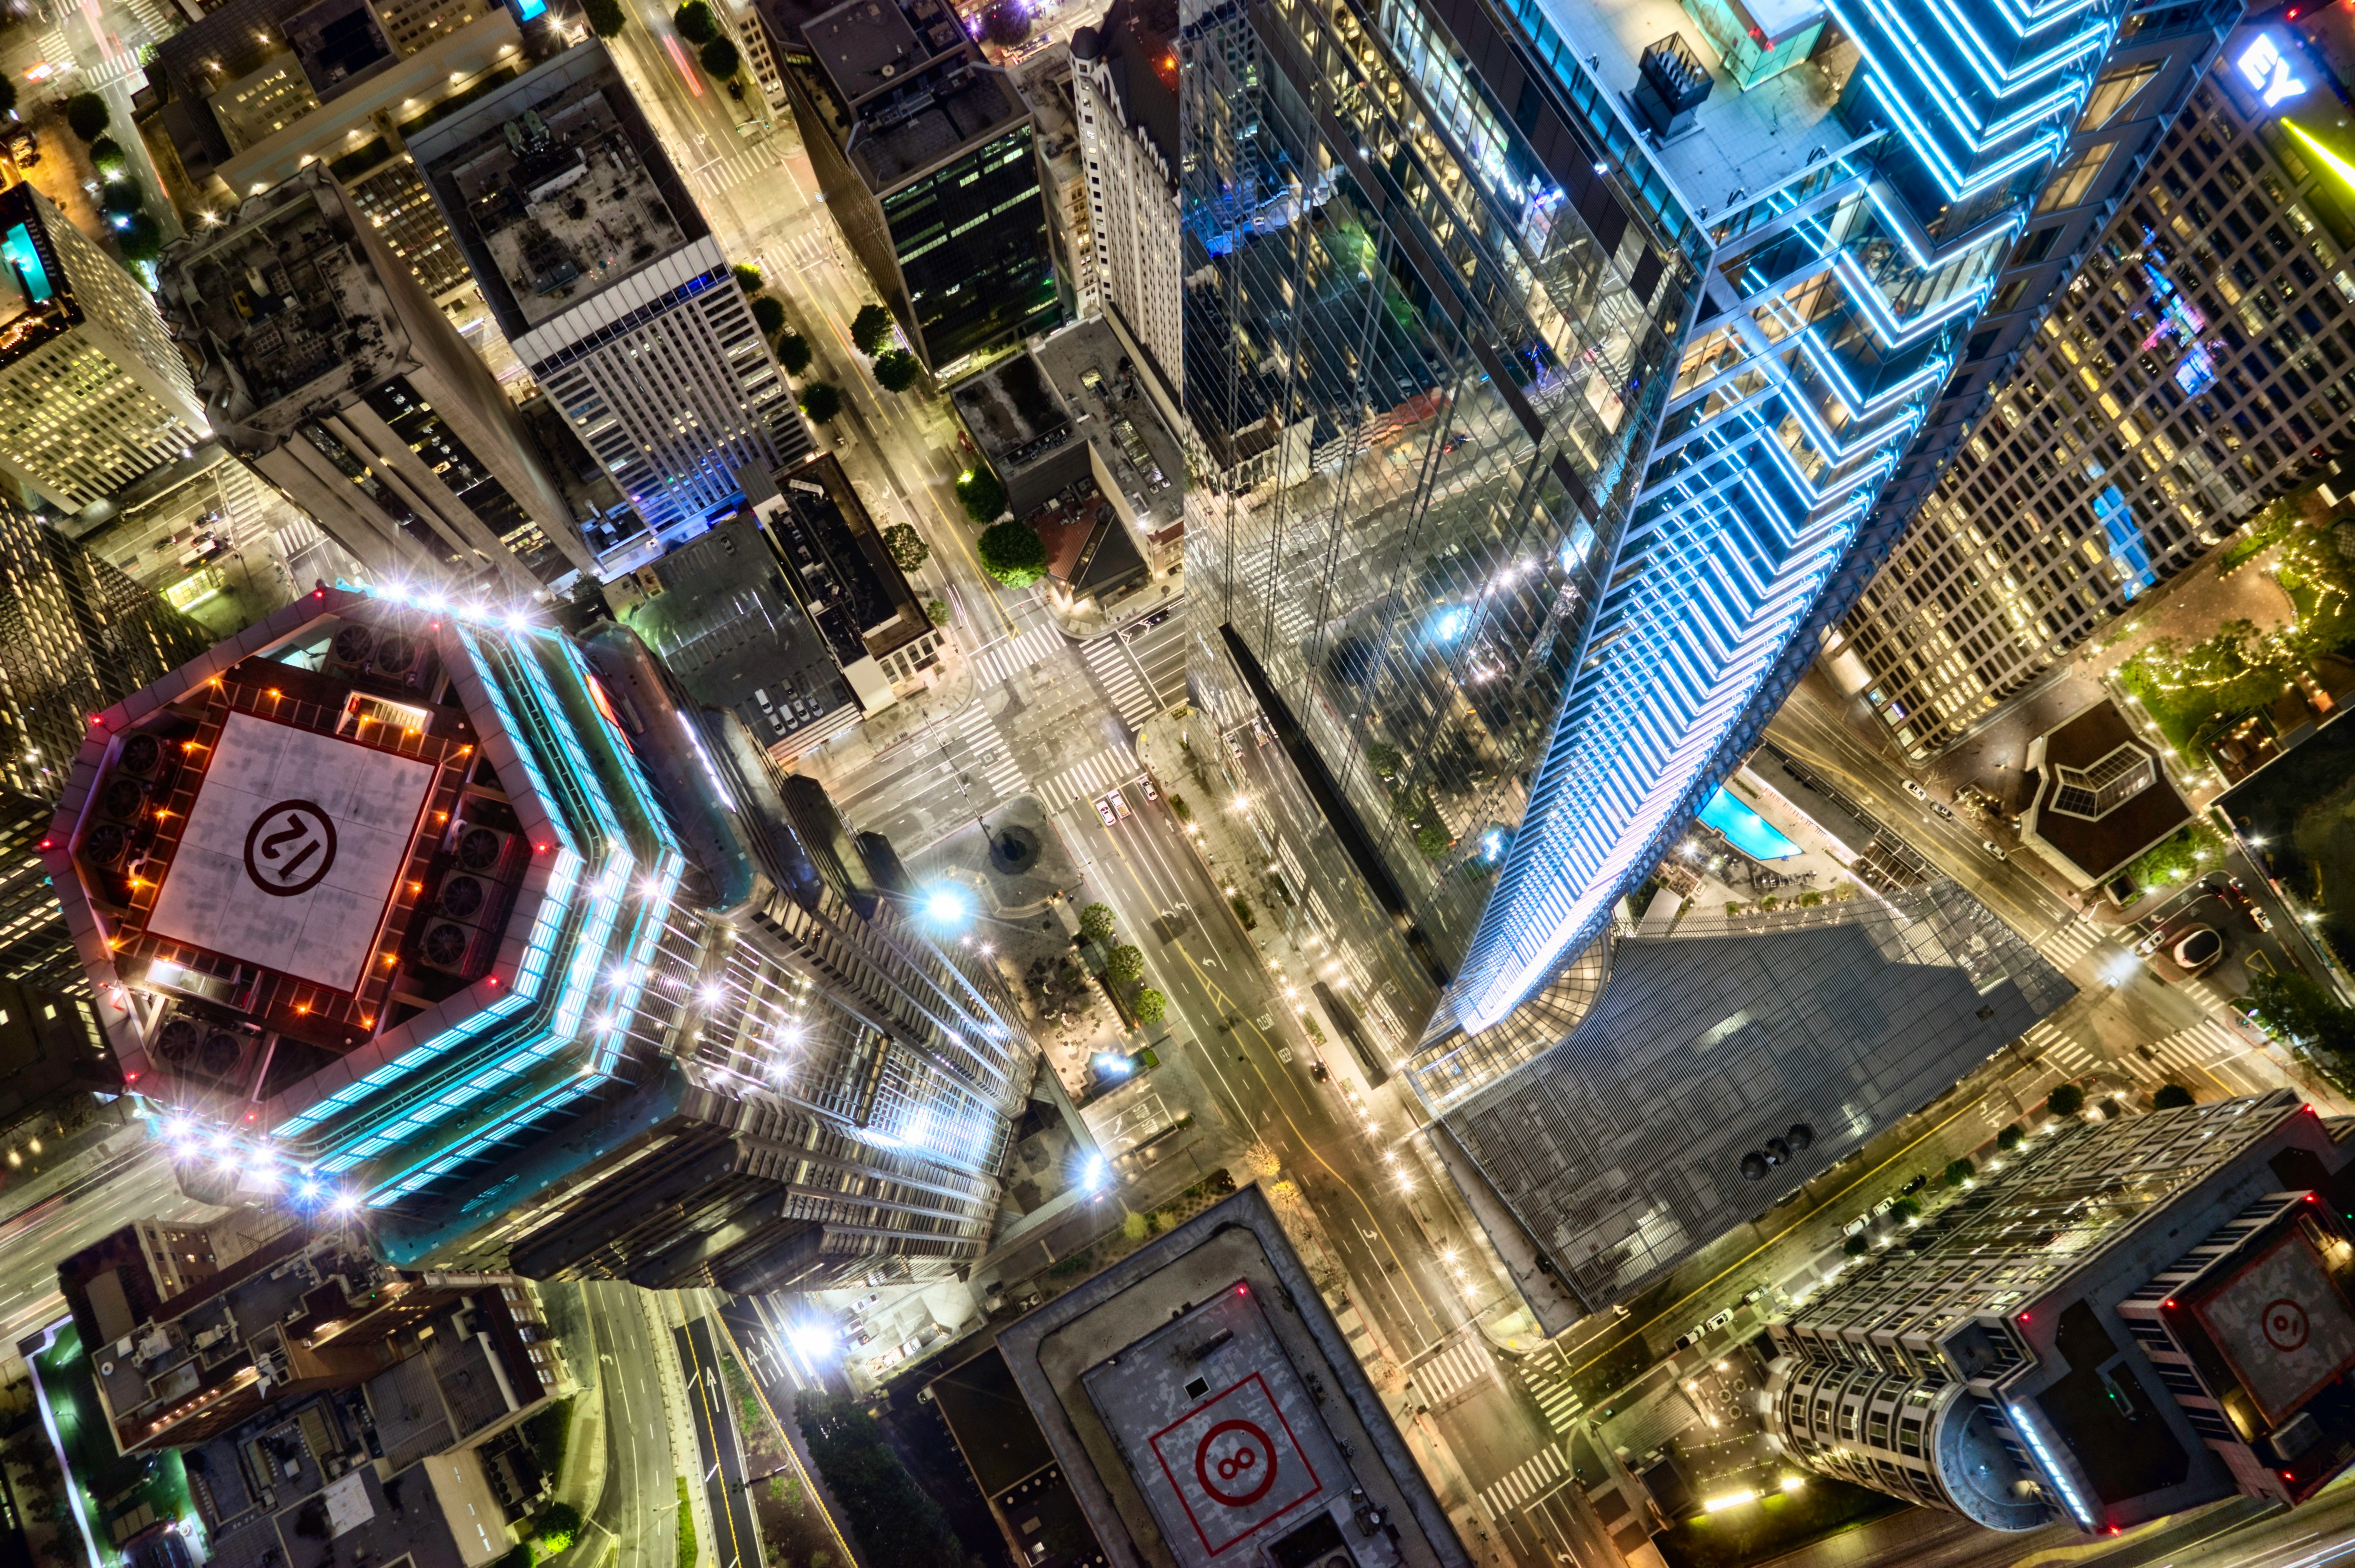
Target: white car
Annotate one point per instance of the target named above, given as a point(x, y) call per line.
point(1105, 813)
point(1119, 803)
point(1994, 849)
point(1916, 791)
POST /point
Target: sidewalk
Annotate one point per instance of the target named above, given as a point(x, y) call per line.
point(581, 1479)
point(1091, 620)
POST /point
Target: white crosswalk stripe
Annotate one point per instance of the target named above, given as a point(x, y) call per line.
point(1525, 1480)
point(1083, 781)
point(803, 249)
point(992, 760)
point(2070, 941)
point(995, 665)
point(1553, 1396)
point(739, 168)
point(1116, 673)
point(1453, 1371)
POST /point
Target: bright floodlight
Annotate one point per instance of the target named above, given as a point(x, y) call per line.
point(1096, 1174)
point(944, 904)
point(343, 1204)
point(810, 1341)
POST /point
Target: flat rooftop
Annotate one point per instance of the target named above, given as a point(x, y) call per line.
point(1198, 1427)
point(1087, 366)
point(1012, 413)
point(2098, 831)
point(289, 302)
point(1750, 141)
point(956, 102)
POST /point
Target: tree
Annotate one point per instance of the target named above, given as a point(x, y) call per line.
point(747, 277)
point(606, 17)
point(769, 313)
point(720, 59)
point(906, 546)
point(870, 329)
point(1856, 1246)
point(140, 239)
point(7, 95)
point(118, 198)
point(2171, 1097)
point(87, 116)
point(1431, 839)
point(2295, 1007)
point(2009, 1139)
point(557, 1527)
point(984, 496)
point(2066, 1100)
point(1124, 965)
point(1151, 1006)
point(1959, 1171)
point(821, 402)
point(936, 610)
point(106, 156)
point(1905, 1209)
point(696, 23)
point(895, 1520)
point(1006, 25)
point(794, 352)
point(1096, 922)
point(1011, 552)
point(1384, 759)
point(895, 370)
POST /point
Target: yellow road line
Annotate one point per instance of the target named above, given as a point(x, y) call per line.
point(793, 1456)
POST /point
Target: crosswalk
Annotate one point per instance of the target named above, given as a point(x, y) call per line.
point(1531, 1478)
point(1553, 1396)
point(2186, 1053)
point(993, 760)
point(1083, 781)
point(1109, 662)
point(996, 664)
point(802, 250)
point(1461, 1366)
point(761, 163)
point(2070, 941)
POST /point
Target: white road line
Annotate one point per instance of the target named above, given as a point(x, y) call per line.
point(1560, 1405)
point(1086, 779)
point(1456, 1368)
point(1523, 1481)
point(995, 665)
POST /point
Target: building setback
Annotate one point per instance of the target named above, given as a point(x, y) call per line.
point(926, 153)
point(602, 273)
point(2129, 1319)
point(2197, 366)
point(1601, 423)
point(92, 392)
point(325, 364)
point(493, 933)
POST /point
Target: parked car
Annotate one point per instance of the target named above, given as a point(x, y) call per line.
point(2257, 912)
point(2200, 946)
point(1146, 785)
point(1994, 849)
point(1916, 791)
point(1119, 803)
point(1943, 809)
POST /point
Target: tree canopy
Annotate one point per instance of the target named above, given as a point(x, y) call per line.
point(2171, 1097)
point(1124, 964)
point(984, 496)
point(2066, 1100)
point(720, 59)
point(895, 1520)
point(821, 402)
point(2299, 1007)
point(895, 370)
point(794, 352)
point(870, 329)
point(907, 547)
point(1010, 552)
point(1152, 1006)
point(87, 116)
point(696, 23)
point(1096, 922)
point(747, 277)
point(769, 312)
point(606, 17)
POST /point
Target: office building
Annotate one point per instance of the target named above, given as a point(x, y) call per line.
point(2130, 1320)
point(2197, 365)
point(1197, 1398)
point(1125, 79)
point(926, 154)
point(1620, 339)
point(327, 366)
point(600, 270)
point(1045, 85)
point(496, 939)
point(35, 948)
point(92, 393)
point(1671, 1087)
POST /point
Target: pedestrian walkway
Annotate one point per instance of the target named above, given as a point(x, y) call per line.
point(1553, 1396)
point(991, 761)
point(1459, 1367)
point(1111, 766)
point(1109, 662)
point(2070, 941)
point(1525, 1482)
point(996, 664)
point(754, 164)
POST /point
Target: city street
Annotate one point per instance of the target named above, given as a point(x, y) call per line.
point(639, 1507)
point(738, 1544)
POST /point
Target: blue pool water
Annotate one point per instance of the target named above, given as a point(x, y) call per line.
point(1752, 834)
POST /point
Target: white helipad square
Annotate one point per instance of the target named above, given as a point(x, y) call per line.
point(291, 851)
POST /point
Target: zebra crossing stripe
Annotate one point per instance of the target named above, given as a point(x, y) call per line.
point(998, 664)
point(1454, 1368)
point(1524, 1481)
point(1091, 777)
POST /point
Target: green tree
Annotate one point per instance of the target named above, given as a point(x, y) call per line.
point(2171, 1097)
point(794, 352)
point(907, 547)
point(118, 198)
point(87, 116)
point(2295, 1006)
point(1384, 759)
point(606, 17)
point(895, 370)
point(1124, 965)
point(1010, 552)
point(106, 156)
point(936, 610)
point(2066, 1100)
point(870, 329)
point(1151, 1006)
point(1136, 1227)
point(747, 277)
point(696, 23)
point(1096, 922)
point(140, 238)
point(556, 1527)
point(1958, 1171)
point(769, 313)
point(720, 59)
point(895, 1520)
point(2009, 1139)
point(984, 496)
point(518, 1556)
point(1431, 839)
point(686, 1541)
point(1905, 1209)
point(1856, 1246)
point(821, 402)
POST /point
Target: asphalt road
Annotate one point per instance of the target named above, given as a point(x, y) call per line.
point(638, 1509)
point(739, 1542)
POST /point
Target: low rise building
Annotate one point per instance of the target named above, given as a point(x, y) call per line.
point(2100, 795)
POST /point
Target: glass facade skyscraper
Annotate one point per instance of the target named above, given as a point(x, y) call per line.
point(1559, 367)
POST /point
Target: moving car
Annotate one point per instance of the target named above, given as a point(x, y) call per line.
point(2200, 946)
point(1119, 803)
point(1943, 809)
point(1994, 849)
point(1916, 791)
point(1146, 785)
point(2257, 912)
point(1106, 815)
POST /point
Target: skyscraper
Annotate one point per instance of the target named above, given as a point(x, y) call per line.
point(328, 367)
point(600, 271)
point(2129, 1319)
point(92, 392)
point(926, 154)
point(1616, 357)
point(486, 935)
point(2197, 367)
point(1124, 78)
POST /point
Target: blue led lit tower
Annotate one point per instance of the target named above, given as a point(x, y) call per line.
point(1559, 370)
point(484, 933)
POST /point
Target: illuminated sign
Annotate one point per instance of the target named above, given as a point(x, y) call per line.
point(2268, 71)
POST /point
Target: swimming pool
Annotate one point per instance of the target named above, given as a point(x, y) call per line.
point(1751, 833)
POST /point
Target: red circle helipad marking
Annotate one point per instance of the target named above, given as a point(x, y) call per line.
point(2286, 1324)
point(1248, 1462)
